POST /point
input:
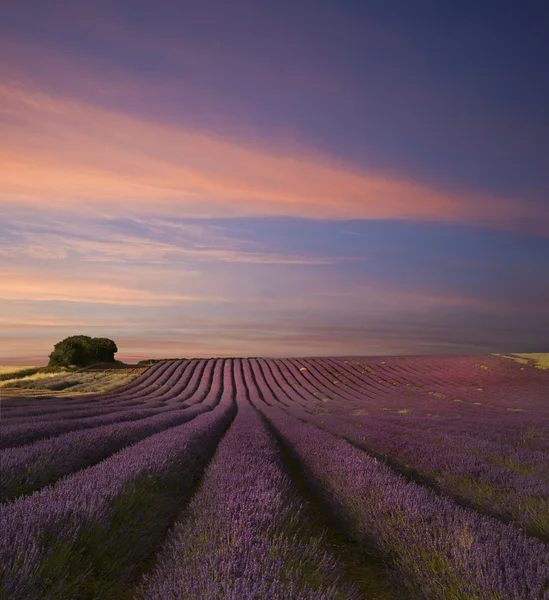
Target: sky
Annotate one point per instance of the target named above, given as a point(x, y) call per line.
point(290, 178)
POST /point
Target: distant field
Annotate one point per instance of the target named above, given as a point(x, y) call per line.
point(541, 361)
point(82, 381)
point(328, 478)
point(5, 370)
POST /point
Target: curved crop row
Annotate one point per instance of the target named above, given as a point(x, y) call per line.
point(502, 391)
point(518, 428)
point(443, 551)
point(473, 430)
point(243, 535)
point(28, 468)
point(98, 408)
point(24, 433)
point(88, 535)
point(460, 435)
point(501, 490)
point(511, 496)
point(27, 406)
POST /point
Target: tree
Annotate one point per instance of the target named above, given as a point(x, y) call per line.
point(105, 349)
point(82, 350)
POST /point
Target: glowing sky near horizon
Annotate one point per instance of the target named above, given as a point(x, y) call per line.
point(205, 178)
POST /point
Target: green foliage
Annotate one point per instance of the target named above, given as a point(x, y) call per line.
point(152, 361)
point(82, 350)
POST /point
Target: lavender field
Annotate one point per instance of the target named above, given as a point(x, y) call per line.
point(324, 478)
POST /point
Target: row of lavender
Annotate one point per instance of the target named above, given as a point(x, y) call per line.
point(125, 406)
point(141, 389)
point(441, 550)
point(91, 555)
point(476, 423)
point(28, 406)
point(71, 546)
point(461, 376)
point(510, 392)
point(524, 429)
point(88, 535)
point(152, 389)
point(246, 532)
point(29, 467)
point(396, 388)
point(509, 398)
point(507, 482)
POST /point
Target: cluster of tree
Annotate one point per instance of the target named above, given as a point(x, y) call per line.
point(81, 351)
point(153, 361)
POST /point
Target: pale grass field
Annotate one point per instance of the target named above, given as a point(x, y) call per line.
point(4, 370)
point(66, 381)
point(31, 379)
point(535, 359)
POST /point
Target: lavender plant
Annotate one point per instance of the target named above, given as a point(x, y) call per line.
point(244, 535)
point(86, 536)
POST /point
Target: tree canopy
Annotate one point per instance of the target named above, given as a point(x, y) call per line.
point(82, 350)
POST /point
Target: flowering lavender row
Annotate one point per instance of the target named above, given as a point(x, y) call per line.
point(512, 429)
point(482, 402)
point(244, 534)
point(29, 406)
point(151, 385)
point(91, 407)
point(442, 550)
point(142, 381)
point(477, 565)
point(487, 420)
point(66, 407)
point(87, 536)
point(497, 489)
point(71, 414)
point(395, 384)
point(287, 385)
point(513, 435)
point(23, 433)
point(156, 376)
point(512, 496)
point(516, 459)
point(498, 387)
point(27, 468)
point(522, 460)
point(454, 372)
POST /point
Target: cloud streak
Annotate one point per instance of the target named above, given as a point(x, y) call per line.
point(121, 249)
point(64, 154)
point(43, 286)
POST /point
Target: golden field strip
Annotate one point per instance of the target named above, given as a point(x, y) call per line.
point(67, 382)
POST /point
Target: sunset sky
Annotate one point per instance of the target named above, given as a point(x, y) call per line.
point(259, 177)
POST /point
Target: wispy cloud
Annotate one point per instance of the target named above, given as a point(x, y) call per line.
point(68, 155)
point(71, 283)
point(54, 288)
point(158, 242)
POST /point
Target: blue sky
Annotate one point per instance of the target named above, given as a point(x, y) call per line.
point(274, 179)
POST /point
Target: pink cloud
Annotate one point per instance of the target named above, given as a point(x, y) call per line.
point(68, 155)
point(37, 287)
